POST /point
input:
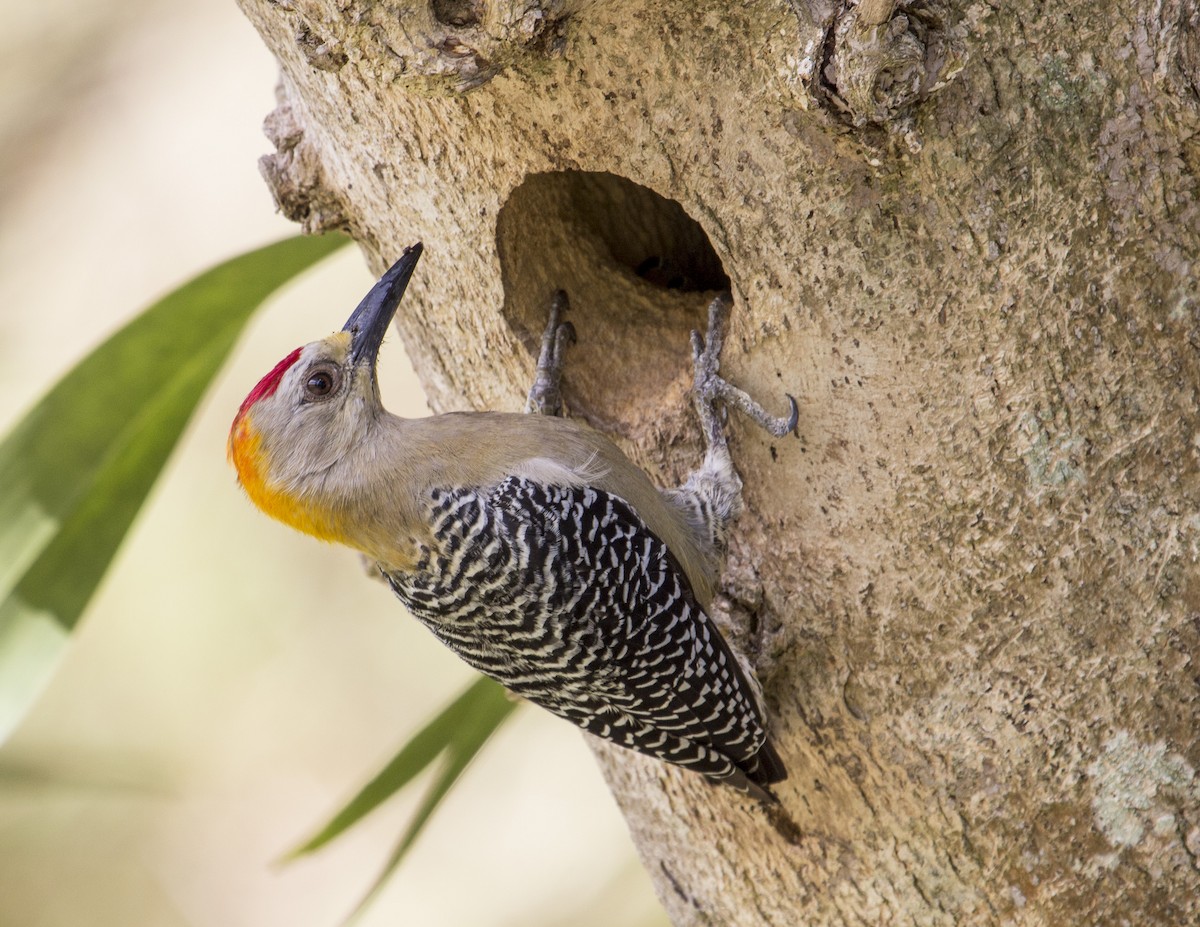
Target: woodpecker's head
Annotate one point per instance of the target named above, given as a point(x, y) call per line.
point(315, 406)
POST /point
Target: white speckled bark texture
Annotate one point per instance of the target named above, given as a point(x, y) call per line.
point(964, 235)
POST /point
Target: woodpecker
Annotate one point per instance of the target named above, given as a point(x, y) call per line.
point(527, 543)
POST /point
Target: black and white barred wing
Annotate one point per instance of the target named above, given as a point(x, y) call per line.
point(565, 596)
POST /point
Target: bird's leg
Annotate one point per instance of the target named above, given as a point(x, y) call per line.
point(712, 493)
point(545, 396)
point(709, 387)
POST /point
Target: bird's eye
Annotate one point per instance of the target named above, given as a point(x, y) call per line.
point(321, 382)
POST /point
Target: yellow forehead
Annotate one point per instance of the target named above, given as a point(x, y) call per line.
point(335, 346)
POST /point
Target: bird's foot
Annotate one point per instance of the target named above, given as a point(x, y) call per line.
point(710, 388)
point(545, 396)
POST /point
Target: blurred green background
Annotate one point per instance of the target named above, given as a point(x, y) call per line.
point(233, 682)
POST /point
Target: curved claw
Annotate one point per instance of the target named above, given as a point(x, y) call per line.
point(782, 426)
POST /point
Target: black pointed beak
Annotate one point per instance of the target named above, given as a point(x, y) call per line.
point(369, 322)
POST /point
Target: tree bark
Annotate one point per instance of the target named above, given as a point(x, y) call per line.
point(964, 236)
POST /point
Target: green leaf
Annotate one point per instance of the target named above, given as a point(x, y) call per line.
point(76, 469)
point(454, 737)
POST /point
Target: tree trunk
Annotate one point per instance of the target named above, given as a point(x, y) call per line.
point(963, 235)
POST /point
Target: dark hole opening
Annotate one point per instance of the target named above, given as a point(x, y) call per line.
point(459, 13)
point(639, 272)
point(647, 233)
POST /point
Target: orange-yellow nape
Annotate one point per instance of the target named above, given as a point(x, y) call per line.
point(244, 445)
point(251, 460)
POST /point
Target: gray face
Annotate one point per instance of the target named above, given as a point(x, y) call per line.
point(322, 409)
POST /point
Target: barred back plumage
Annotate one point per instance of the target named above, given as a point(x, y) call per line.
point(564, 595)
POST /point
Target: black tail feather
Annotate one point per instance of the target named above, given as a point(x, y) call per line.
point(768, 766)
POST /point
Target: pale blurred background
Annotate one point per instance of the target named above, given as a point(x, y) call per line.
point(233, 682)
